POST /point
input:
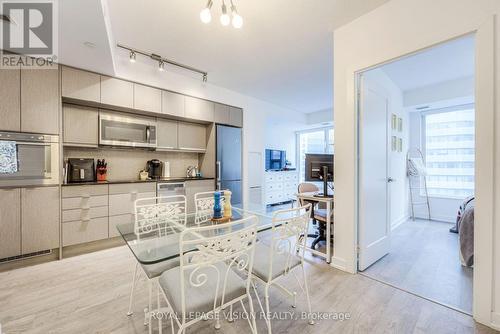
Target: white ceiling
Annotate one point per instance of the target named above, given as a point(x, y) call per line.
point(283, 54)
point(445, 62)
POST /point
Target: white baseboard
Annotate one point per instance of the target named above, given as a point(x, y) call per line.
point(340, 264)
point(439, 218)
point(495, 321)
point(395, 224)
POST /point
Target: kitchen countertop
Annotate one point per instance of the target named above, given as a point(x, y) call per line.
point(164, 180)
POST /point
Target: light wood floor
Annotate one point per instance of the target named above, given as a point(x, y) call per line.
point(89, 294)
point(424, 259)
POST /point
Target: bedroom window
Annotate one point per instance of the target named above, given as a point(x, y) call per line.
point(449, 151)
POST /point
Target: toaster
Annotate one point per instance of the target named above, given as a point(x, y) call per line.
point(81, 170)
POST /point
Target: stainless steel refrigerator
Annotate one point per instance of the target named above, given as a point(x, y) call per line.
point(228, 162)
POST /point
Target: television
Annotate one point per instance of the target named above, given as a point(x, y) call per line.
point(275, 159)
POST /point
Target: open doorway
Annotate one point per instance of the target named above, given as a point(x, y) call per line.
point(416, 173)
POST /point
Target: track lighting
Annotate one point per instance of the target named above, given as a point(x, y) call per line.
point(225, 19)
point(205, 14)
point(133, 52)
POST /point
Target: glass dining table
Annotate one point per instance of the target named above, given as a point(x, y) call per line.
point(154, 249)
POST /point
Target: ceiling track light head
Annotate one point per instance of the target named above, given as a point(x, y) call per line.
point(205, 77)
point(209, 4)
point(161, 66)
point(132, 56)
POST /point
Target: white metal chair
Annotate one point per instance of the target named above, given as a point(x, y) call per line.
point(279, 259)
point(212, 277)
point(156, 217)
point(204, 203)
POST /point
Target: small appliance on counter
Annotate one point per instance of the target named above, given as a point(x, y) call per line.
point(81, 170)
point(143, 175)
point(153, 167)
point(192, 171)
point(165, 169)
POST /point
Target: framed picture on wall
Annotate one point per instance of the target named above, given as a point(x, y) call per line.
point(400, 124)
point(394, 143)
point(394, 122)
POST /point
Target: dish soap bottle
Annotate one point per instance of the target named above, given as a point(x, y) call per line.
point(217, 207)
point(227, 204)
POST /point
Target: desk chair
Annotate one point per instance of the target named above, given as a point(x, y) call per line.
point(319, 215)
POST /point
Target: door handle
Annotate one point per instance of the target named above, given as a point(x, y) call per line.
point(390, 179)
point(218, 170)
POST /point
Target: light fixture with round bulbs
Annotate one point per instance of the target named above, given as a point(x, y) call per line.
point(225, 19)
point(205, 14)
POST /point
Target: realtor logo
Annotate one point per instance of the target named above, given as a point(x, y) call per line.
point(30, 29)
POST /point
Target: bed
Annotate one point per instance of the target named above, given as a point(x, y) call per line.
point(465, 226)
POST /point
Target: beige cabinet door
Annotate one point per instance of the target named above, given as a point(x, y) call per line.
point(199, 109)
point(10, 222)
point(40, 219)
point(117, 92)
point(236, 117)
point(194, 187)
point(172, 104)
point(80, 125)
point(147, 98)
point(166, 134)
point(40, 100)
point(10, 95)
point(80, 85)
point(221, 113)
point(192, 137)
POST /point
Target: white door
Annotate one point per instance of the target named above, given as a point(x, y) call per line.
point(374, 223)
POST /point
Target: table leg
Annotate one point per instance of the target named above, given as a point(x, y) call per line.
point(328, 232)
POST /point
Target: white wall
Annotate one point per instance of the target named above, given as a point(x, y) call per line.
point(255, 112)
point(378, 80)
point(459, 91)
point(401, 27)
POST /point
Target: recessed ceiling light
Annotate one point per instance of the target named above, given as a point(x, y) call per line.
point(89, 44)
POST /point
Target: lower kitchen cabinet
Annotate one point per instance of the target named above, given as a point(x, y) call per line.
point(39, 219)
point(196, 186)
point(10, 223)
point(84, 214)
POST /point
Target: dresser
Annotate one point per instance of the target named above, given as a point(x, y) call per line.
point(280, 186)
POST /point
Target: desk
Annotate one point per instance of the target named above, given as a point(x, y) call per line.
point(311, 198)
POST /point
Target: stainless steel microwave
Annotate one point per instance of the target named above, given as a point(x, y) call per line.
point(121, 130)
point(37, 159)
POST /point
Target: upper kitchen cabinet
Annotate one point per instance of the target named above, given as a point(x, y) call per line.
point(10, 95)
point(80, 125)
point(166, 134)
point(199, 109)
point(80, 85)
point(221, 113)
point(39, 219)
point(192, 137)
point(147, 98)
point(236, 117)
point(172, 104)
point(40, 100)
point(117, 92)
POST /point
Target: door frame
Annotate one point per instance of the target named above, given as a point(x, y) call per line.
point(360, 86)
point(484, 233)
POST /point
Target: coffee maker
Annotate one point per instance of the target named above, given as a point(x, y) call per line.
point(153, 167)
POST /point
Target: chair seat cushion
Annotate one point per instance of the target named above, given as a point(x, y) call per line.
point(201, 299)
point(155, 270)
point(262, 258)
point(320, 214)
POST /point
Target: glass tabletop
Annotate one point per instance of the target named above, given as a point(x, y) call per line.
point(151, 249)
